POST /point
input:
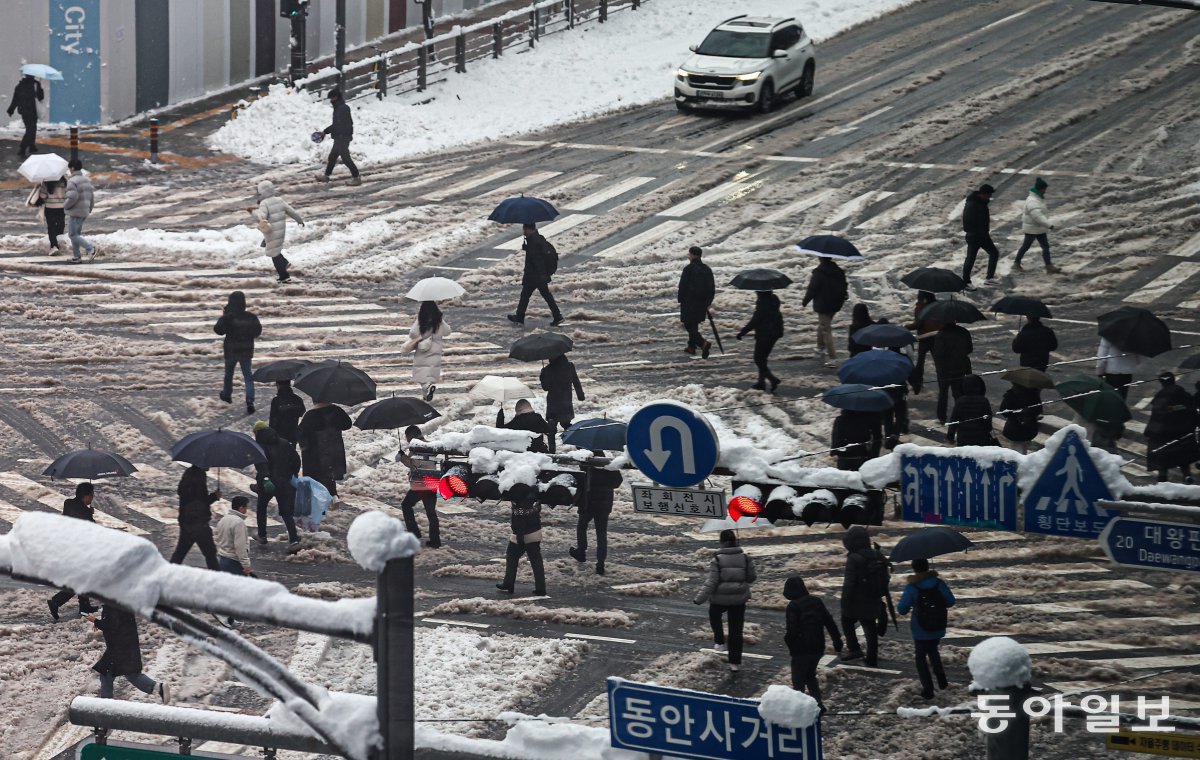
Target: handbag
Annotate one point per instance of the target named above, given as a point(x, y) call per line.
point(34, 198)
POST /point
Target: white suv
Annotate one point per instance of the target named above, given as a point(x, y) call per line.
point(747, 62)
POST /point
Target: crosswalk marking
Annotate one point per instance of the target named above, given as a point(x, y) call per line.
point(314, 321)
point(735, 187)
point(17, 482)
point(608, 193)
point(1165, 282)
point(632, 244)
point(558, 226)
point(524, 183)
point(465, 185)
point(855, 205)
point(798, 206)
point(575, 181)
point(892, 215)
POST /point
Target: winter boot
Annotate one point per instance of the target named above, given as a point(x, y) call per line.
point(577, 555)
point(1051, 269)
point(226, 397)
point(534, 551)
point(705, 349)
point(355, 181)
point(512, 553)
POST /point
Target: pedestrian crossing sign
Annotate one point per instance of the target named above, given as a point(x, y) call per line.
point(1063, 500)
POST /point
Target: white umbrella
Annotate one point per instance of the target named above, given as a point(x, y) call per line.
point(435, 289)
point(501, 388)
point(43, 167)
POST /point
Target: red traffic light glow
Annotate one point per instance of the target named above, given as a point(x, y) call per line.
point(454, 483)
point(743, 505)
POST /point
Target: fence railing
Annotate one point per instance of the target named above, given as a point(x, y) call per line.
point(415, 66)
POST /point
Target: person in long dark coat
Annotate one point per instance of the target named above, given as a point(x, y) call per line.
point(123, 654)
point(1171, 431)
point(1034, 343)
point(952, 359)
point(282, 463)
point(80, 508)
point(971, 423)
point(240, 327)
point(322, 448)
point(1021, 409)
point(860, 603)
point(25, 98)
point(558, 378)
point(977, 225)
point(286, 410)
point(767, 325)
point(827, 292)
point(926, 331)
point(860, 317)
point(807, 621)
point(857, 437)
point(527, 419)
point(696, 292)
point(596, 507)
point(535, 276)
point(195, 517)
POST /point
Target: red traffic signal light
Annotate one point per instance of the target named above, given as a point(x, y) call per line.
point(455, 482)
point(747, 500)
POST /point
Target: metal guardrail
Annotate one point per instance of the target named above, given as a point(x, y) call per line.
point(415, 66)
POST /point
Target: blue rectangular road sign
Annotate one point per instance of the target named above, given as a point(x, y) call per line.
point(1152, 545)
point(1062, 501)
point(693, 724)
point(955, 490)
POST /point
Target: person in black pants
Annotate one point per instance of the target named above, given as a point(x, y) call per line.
point(526, 522)
point(342, 131)
point(239, 327)
point(926, 330)
point(727, 589)
point(275, 482)
point(536, 275)
point(861, 601)
point(925, 582)
point(195, 517)
point(807, 621)
point(952, 359)
point(25, 98)
point(767, 325)
point(80, 508)
point(696, 293)
point(977, 225)
point(418, 491)
point(596, 507)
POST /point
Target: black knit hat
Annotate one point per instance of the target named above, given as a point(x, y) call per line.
point(1040, 184)
point(986, 189)
point(335, 94)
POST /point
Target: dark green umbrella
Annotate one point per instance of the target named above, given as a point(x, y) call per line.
point(1021, 305)
point(1094, 399)
point(761, 279)
point(952, 311)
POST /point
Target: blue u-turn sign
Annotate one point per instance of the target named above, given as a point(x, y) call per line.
point(672, 444)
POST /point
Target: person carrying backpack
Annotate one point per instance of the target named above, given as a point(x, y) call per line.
point(541, 262)
point(928, 597)
point(864, 586)
point(807, 621)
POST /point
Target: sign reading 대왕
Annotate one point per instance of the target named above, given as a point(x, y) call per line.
point(686, 502)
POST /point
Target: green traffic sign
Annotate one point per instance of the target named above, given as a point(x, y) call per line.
point(107, 752)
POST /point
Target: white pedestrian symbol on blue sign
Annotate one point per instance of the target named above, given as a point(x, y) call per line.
point(1063, 500)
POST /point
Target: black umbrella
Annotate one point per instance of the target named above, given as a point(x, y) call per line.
point(539, 346)
point(218, 448)
point(1025, 307)
point(90, 464)
point(951, 311)
point(934, 280)
point(395, 412)
point(857, 398)
point(929, 542)
point(1135, 331)
point(830, 246)
point(761, 279)
point(596, 433)
point(336, 383)
point(884, 336)
point(1192, 362)
point(523, 210)
point(284, 369)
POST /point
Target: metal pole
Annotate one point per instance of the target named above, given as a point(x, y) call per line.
point(603, 11)
point(460, 54)
point(154, 141)
point(340, 43)
point(74, 143)
point(497, 39)
point(394, 659)
point(1013, 742)
point(298, 45)
point(422, 68)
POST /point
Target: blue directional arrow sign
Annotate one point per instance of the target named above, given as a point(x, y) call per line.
point(672, 444)
point(1152, 545)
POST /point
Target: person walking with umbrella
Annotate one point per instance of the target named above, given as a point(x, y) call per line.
point(926, 330)
point(599, 487)
point(286, 410)
point(696, 292)
point(541, 262)
point(123, 654)
point(927, 596)
point(1034, 343)
point(951, 351)
point(322, 448)
point(1021, 408)
point(426, 341)
point(727, 589)
point(26, 95)
point(856, 437)
point(272, 213)
point(1035, 223)
point(977, 224)
point(971, 423)
point(342, 131)
point(1171, 431)
point(80, 508)
point(240, 327)
point(78, 205)
point(558, 378)
point(274, 481)
point(52, 195)
point(418, 490)
point(1116, 367)
point(827, 293)
point(767, 325)
point(195, 517)
point(860, 317)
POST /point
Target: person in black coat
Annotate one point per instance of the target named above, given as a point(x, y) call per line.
point(1171, 431)
point(857, 437)
point(80, 508)
point(860, 317)
point(342, 131)
point(951, 351)
point(526, 522)
point(195, 517)
point(597, 505)
point(926, 331)
point(971, 423)
point(1021, 409)
point(767, 326)
point(322, 449)
point(558, 378)
point(1034, 343)
point(696, 292)
point(977, 224)
point(536, 274)
point(527, 419)
point(240, 328)
point(827, 292)
point(286, 410)
point(25, 98)
point(418, 491)
point(861, 601)
point(123, 654)
point(807, 621)
point(282, 464)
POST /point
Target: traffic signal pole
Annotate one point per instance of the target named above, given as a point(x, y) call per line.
point(339, 60)
point(394, 660)
point(298, 45)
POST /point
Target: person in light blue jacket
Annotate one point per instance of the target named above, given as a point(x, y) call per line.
point(928, 597)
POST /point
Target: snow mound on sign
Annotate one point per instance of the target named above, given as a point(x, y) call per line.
point(374, 539)
point(543, 738)
point(999, 663)
point(351, 719)
point(788, 708)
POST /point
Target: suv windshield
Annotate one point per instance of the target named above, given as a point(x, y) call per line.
point(727, 44)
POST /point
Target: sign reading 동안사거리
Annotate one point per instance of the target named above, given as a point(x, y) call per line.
point(685, 502)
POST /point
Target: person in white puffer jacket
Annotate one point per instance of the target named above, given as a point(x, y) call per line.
point(1035, 223)
point(272, 213)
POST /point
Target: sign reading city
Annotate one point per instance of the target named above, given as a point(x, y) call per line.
point(954, 490)
point(1152, 545)
point(75, 51)
point(685, 502)
point(672, 444)
point(1063, 500)
point(693, 724)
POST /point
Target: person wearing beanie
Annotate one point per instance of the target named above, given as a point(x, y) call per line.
point(80, 508)
point(927, 596)
point(1035, 223)
point(807, 621)
point(1171, 431)
point(342, 131)
point(240, 327)
point(727, 589)
point(977, 224)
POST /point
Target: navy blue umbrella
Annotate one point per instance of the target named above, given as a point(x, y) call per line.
point(830, 246)
point(218, 448)
point(601, 434)
point(857, 398)
point(930, 542)
point(523, 210)
point(884, 336)
point(876, 367)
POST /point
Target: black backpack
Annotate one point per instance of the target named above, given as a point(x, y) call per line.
point(876, 574)
point(931, 608)
point(551, 257)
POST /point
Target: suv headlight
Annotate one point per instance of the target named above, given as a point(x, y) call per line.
point(751, 77)
point(681, 74)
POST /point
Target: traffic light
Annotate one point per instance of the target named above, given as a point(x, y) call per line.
point(456, 482)
point(292, 8)
point(552, 487)
point(559, 488)
point(808, 504)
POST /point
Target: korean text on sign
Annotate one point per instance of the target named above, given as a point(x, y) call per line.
point(687, 502)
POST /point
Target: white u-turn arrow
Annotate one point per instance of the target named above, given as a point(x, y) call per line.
point(659, 456)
